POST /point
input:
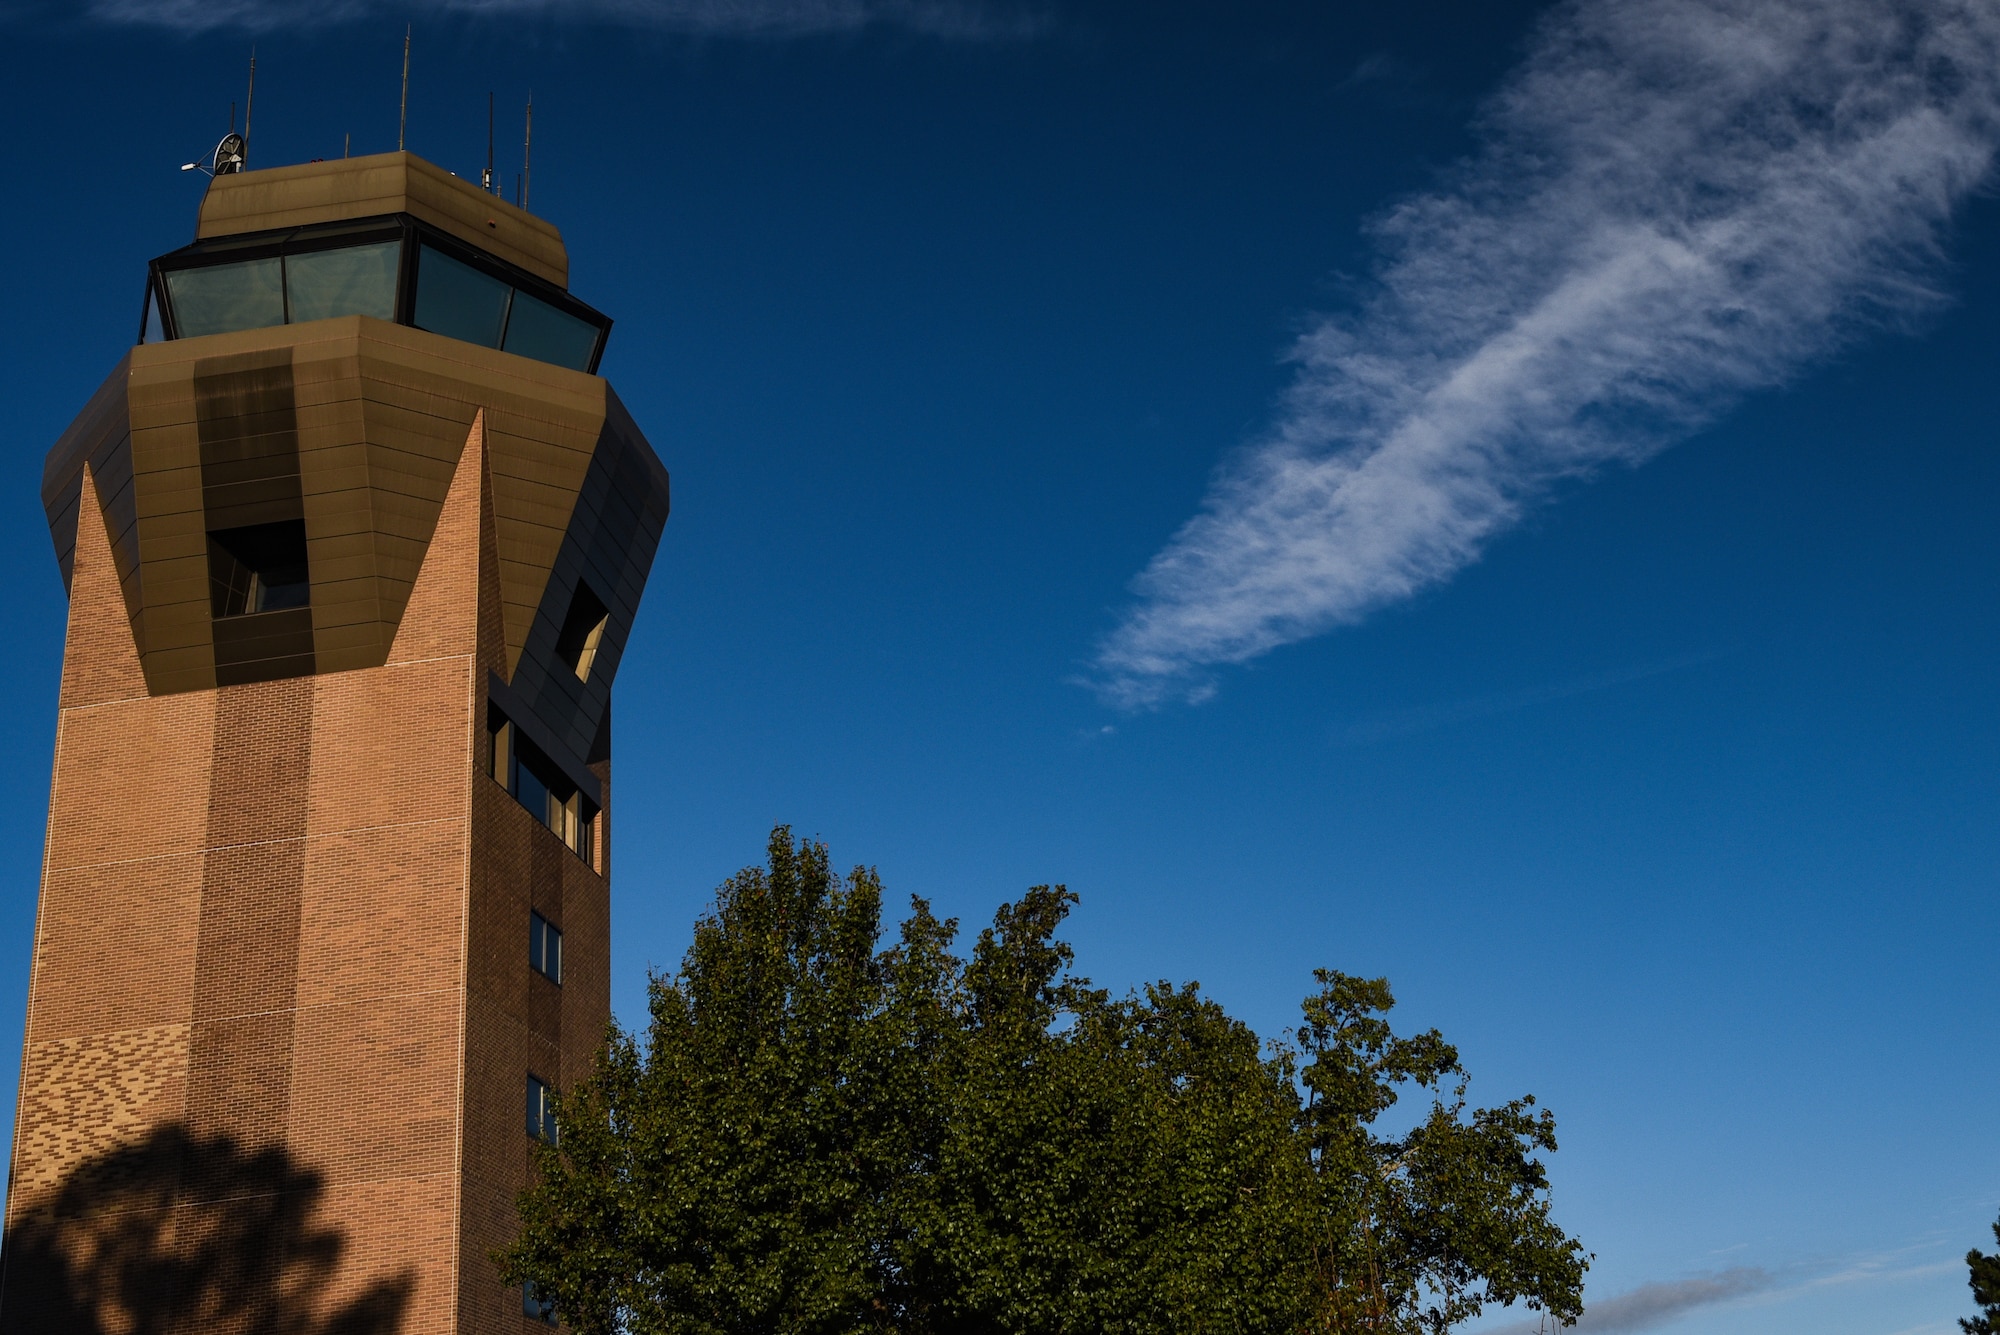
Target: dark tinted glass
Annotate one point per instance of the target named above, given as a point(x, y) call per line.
point(222, 297)
point(537, 329)
point(356, 280)
point(544, 947)
point(260, 568)
point(153, 332)
point(459, 301)
point(531, 791)
point(536, 1306)
point(541, 1117)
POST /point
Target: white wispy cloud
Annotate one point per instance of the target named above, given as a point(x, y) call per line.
point(1676, 202)
point(748, 18)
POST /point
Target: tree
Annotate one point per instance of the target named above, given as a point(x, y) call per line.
point(820, 1135)
point(1985, 1281)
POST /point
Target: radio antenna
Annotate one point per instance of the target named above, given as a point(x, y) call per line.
point(486, 181)
point(249, 102)
point(403, 118)
point(528, 153)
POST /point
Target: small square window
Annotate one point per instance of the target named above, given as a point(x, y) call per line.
point(261, 568)
point(544, 947)
point(541, 1111)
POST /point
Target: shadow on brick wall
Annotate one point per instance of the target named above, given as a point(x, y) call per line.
point(172, 1235)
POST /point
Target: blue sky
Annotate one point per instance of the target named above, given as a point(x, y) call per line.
point(1491, 495)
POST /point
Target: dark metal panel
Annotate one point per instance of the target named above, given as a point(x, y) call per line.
point(614, 532)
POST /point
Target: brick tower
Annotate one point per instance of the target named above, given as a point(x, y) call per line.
point(354, 538)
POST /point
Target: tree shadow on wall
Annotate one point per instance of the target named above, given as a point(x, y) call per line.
point(172, 1235)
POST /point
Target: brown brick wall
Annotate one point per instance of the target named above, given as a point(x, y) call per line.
point(292, 916)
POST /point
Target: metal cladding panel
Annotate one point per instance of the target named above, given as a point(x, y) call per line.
point(611, 542)
point(382, 183)
point(101, 437)
point(356, 426)
point(612, 536)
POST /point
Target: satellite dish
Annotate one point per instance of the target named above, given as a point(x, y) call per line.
point(228, 155)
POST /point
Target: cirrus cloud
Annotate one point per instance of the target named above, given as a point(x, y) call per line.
point(1676, 202)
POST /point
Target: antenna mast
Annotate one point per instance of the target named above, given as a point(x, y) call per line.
point(403, 118)
point(249, 102)
point(486, 181)
point(527, 152)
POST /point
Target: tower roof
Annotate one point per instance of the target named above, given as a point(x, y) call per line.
point(382, 183)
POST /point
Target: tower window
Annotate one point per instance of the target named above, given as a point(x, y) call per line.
point(365, 267)
point(459, 301)
point(544, 947)
point(219, 297)
point(259, 568)
point(541, 1111)
point(582, 631)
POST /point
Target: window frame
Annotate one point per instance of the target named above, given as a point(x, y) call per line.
point(413, 235)
point(548, 931)
point(542, 1111)
point(581, 816)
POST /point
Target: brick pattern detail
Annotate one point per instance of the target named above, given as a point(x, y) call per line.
point(289, 919)
point(87, 1095)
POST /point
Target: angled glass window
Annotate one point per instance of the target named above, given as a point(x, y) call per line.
point(459, 301)
point(151, 330)
point(354, 280)
point(537, 329)
point(365, 267)
point(220, 297)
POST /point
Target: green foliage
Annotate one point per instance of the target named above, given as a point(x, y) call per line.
point(821, 1136)
point(1985, 1280)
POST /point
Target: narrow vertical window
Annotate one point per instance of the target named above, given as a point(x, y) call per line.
point(544, 947)
point(502, 768)
point(541, 1111)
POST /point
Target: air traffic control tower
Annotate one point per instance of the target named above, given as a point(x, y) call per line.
point(354, 538)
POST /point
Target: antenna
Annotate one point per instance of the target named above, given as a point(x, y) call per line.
point(403, 120)
point(249, 101)
point(528, 152)
point(346, 144)
point(486, 180)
